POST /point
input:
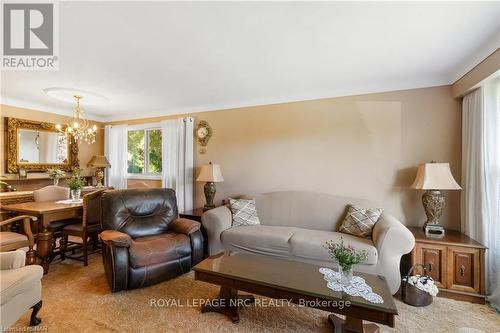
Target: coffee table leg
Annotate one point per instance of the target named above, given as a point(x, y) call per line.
point(228, 303)
point(351, 324)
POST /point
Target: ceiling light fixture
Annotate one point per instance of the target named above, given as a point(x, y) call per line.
point(79, 127)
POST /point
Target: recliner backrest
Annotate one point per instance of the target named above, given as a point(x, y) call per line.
point(139, 212)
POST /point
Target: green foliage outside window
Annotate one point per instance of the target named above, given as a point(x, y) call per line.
point(155, 151)
point(142, 145)
point(135, 151)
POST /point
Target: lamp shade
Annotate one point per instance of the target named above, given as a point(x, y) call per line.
point(435, 176)
point(98, 161)
point(210, 173)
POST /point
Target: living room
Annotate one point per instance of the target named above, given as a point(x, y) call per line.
point(158, 156)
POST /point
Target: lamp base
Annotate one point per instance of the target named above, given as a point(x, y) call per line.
point(434, 204)
point(209, 190)
point(99, 176)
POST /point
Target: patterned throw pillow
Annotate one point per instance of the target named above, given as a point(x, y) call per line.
point(244, 212)
point(360, 222)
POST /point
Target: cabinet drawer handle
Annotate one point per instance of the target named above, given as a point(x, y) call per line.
point(462, 270)
point(430, 267)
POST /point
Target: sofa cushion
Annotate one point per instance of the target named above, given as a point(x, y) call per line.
point(360, 221)
point(259, 239)
point(243, 212)
point(9, 237)
point(309, 210)
point(151, 250)
point(308, 244)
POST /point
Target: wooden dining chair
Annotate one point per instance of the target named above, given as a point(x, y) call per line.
point(10, 240)
point(51, 193)
point(90, 227)
point(54, 193)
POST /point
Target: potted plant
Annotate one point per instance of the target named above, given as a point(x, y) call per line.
point(346, 256)
point(55, 174)
point(76, 183)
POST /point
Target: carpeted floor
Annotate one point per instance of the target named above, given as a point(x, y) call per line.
point(77, 299)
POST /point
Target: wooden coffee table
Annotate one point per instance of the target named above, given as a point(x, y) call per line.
point(297, 282)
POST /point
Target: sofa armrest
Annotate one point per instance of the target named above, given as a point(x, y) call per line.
point(115, 238)
point(12, 259)
point(215, 221)
point(184, 226)
point(392, 240)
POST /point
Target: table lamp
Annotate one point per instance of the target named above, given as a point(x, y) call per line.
point(434, 177)
point(99, 162)
point(211, 174)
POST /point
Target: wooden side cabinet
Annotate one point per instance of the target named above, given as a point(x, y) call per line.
point(455, 262)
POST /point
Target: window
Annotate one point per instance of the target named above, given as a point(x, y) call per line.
point(144, 151)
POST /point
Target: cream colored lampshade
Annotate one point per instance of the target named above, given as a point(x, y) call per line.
point(99, 161)
point(210, 173)
point(435, 176)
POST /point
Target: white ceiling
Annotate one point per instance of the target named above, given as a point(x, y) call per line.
point(160, 58)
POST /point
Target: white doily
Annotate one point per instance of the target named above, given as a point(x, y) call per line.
point(70, 201)
point(357, 286)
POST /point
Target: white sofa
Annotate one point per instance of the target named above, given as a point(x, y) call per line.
point(20, 289)
point(295, 225)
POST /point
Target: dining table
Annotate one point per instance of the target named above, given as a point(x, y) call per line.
point(47, 212)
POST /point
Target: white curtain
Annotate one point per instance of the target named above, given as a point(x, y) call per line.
point(115, 150)
point(481, 177)
point(177, 159)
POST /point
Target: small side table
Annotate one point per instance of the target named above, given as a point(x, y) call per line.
point(455, 262)
point(195, 215)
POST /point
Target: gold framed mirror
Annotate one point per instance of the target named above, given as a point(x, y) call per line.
point(37, 146)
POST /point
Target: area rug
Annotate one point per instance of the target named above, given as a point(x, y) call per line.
point(77, 299)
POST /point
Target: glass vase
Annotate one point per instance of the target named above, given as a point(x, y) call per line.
point(75, 194)
point(345, 275)
point(56, 181)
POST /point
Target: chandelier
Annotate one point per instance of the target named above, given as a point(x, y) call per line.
point(79, 127)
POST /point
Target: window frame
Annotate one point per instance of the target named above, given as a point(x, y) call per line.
point(146, 128)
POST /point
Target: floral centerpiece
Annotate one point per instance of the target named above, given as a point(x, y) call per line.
point(423, 282)
point(346, 256)
point(76, 183)
point(55, 174)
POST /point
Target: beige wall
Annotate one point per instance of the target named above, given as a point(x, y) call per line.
point(364, 146)
point(85, 151)
point(473, 78)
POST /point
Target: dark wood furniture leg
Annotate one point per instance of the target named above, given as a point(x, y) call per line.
point(31, 257)
point(63, 244)
point(44, 246)
point(228, 303)
point(351, 324)
point(35, 320)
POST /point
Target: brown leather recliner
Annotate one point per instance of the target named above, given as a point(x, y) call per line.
point(144, 240)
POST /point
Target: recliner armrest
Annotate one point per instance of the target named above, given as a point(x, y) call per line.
point(115, 238)
point(184, 226)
